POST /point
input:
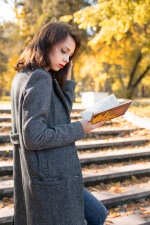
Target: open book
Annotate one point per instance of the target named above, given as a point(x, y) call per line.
point(105, 109)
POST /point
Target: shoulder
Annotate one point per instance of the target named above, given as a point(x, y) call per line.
point(38, 76)
point(40, 73)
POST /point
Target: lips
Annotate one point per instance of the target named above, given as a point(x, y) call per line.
point(61, 65)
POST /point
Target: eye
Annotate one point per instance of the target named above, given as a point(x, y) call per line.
point(62, 51)
point(70, 57)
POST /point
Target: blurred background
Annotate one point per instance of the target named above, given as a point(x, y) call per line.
point(114, 58)
point(115, 52)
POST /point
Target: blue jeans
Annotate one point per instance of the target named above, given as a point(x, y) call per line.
point(95, 212)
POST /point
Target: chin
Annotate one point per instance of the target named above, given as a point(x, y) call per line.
point(56, 69)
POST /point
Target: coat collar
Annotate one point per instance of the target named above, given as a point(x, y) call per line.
point(60, 94)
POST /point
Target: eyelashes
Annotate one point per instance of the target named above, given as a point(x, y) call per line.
point(63, 52)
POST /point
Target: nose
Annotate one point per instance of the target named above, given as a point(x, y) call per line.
point(66, 58)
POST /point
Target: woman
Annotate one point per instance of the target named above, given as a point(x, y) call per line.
point(48, 185)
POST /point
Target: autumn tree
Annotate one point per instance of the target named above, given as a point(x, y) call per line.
point(3, 58)
point(120, 39)
point(30, 16)
point(11, 47)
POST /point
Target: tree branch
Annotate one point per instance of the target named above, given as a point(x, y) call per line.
point(141, 77)
point(134, 69)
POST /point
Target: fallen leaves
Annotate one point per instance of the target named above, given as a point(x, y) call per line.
point(142, 208)
point(117, 189)
point(145, 213)
point(119, 186)
point(95, 168)
point(7, 202)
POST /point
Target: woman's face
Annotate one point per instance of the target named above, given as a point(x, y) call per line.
point(61, 53)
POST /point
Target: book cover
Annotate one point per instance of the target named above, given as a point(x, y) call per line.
point(106, 109)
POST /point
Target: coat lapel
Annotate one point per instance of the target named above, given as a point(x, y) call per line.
point(60, 94)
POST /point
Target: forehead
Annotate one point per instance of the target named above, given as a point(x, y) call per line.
point(68, 43)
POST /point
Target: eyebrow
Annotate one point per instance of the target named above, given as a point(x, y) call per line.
point(68, 49)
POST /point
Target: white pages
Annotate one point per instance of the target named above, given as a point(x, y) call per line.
point(104, 104)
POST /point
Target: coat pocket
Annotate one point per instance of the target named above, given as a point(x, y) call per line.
point(51, 181)
point(50, 197)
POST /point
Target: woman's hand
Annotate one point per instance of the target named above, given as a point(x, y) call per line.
point(87, 127)
point(69, 70)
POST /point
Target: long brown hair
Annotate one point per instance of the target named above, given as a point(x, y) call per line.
point(36, 54)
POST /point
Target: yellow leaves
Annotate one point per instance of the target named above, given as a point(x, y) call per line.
point(145, 50)
point(7, 202)
point(114, 214)
point(134, 179)
point(115, 17)
point(117, 189)
point(86, 17)
point(102, 78)
point(121, 32)
point(109, 221)
point(142, 12)
point(145, 213)
point(66, 18)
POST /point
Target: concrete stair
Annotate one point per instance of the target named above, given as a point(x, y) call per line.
point(108, 198)
point(94, 151)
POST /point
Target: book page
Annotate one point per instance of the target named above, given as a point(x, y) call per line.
point(100, 106)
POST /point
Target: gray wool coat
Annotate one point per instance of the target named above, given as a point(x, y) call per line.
point(48, 185)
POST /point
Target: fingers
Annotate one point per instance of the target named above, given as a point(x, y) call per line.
point(88, 127)
point(70, 63)
point(99, 124)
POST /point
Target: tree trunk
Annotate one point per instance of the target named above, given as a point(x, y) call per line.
point(130, 92)
point(132, 74)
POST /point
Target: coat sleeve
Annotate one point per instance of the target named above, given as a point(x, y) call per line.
point(35, 109)
point(69, 93)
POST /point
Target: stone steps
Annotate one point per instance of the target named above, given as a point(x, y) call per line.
point(4, 137)
point(6, 168)
point(6, 111)
point(109, 199)
point(87, 156)
point(6, 215)
point(131, 219)
point(89, 178)
point(6, 188)
point(5, 118)
point(5, 122)
point(6, 150)
point(124, 220)
point(126, 194)
point(86, 159)
point(96, 144)
point(122, 154)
